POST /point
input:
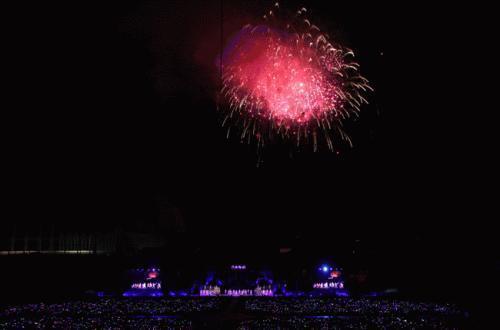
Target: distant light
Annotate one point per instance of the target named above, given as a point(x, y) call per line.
point(285, 250)
point(325, 269)
point(238, 267)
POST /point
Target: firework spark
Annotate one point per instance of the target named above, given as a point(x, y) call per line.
point(285, 78)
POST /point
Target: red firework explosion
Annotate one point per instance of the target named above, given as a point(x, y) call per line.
point(285, 78)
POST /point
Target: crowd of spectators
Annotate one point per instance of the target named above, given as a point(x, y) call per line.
point(349, 322)
point(351, 313)
point(254, 313)
point(107, 314)
point(347, 306)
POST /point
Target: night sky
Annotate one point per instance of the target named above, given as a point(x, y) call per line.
point(119, 110)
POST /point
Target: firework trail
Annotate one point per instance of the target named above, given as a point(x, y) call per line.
point(284, 79)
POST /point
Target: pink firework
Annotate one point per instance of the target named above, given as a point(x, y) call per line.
point(284, 78)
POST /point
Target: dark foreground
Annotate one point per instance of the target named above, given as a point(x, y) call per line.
point(235, 313)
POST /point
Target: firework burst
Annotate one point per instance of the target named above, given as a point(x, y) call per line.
point(284, 79)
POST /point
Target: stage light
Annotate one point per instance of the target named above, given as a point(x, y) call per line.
point(325, 269)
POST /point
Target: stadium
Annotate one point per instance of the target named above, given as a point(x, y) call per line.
point(215, 164)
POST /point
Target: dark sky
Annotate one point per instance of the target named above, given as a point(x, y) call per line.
point(119, 109)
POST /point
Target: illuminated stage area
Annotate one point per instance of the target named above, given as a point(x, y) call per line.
point(329, 281)
point(239, 281)
point(145, 282)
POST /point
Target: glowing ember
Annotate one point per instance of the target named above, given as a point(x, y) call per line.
point(285, 78)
